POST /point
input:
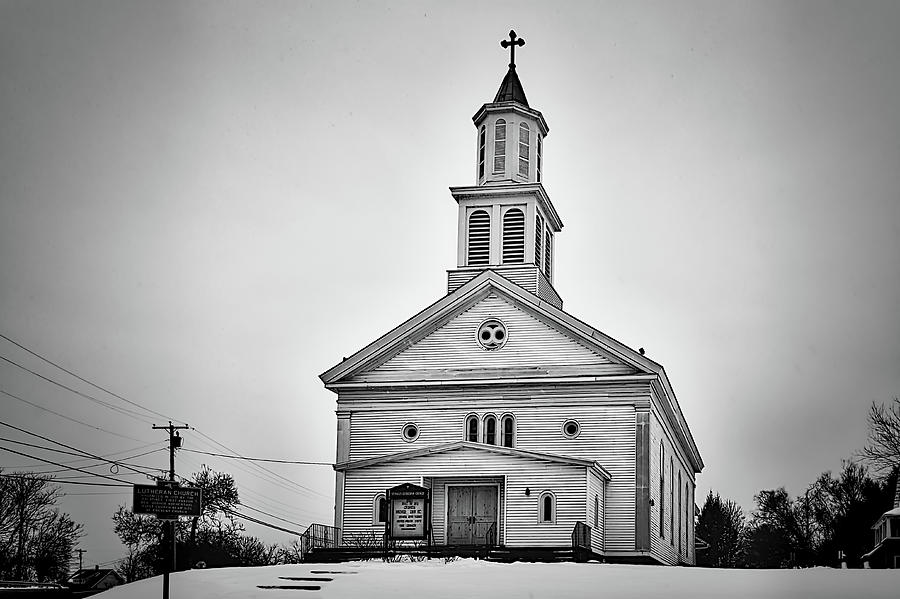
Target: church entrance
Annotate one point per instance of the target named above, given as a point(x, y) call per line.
point(471, 510)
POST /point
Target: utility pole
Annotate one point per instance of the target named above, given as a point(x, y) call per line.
point(174, 443)
point(80, 553)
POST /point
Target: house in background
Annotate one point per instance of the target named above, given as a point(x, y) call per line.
point(90, 581)
point(523, 421)
point(886, 553)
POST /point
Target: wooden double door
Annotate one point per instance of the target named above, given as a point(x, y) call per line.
point(471, 510)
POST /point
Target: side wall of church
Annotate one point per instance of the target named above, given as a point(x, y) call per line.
point(607, 433)
point(672, 532)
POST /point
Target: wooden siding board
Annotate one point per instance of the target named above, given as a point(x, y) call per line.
point(642, 482)
point(663, 547)
point(519, 511)
point(532, 347)
point(607, 436)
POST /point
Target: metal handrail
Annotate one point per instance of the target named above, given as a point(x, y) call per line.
point(319, 536)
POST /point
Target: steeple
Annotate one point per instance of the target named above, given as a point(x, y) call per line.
point(507, 222)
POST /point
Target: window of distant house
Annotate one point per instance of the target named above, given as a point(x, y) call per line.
point(479, 246)
point(379, 509)
point(481, 144)
point(490, 430)
point(546, 508)
point(513, 236)
point(524, 148)
point(500, 146)
point(508, 430)
point(472, 428)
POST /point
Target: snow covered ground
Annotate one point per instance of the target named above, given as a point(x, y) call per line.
point(471, 579)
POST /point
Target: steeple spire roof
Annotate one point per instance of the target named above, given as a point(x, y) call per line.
point(511, 89)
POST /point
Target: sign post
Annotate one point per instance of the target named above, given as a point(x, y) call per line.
point(409, 513)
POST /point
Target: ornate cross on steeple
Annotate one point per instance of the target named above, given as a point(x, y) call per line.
point(511, 43)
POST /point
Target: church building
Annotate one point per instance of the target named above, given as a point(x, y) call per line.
point(524, 422)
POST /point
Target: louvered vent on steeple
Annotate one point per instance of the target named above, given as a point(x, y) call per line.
point(514, 236)
point(479, 238)
point(538, 237)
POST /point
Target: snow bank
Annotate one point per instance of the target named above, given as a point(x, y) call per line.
point(474, 579)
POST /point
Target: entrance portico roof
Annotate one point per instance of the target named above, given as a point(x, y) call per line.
point(468, 445)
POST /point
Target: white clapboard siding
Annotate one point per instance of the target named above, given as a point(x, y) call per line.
point(518, 513)
point(531, 345)
point(607, 436)
point(663, 546)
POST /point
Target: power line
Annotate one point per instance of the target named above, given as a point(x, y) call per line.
point(104, 457)
point(119, 409)
point(85, 453)
point(68, 482)
point(82, 379)
point(264, 469)
point(262, 523)
point(244, 505)
point(63, 451)
point(58, 464)
point(40, 407)
point(238, 457)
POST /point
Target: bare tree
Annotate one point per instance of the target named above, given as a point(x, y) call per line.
point(882, 450)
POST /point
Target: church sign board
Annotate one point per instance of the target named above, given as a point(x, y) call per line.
point(167, 502)
point(408, 512)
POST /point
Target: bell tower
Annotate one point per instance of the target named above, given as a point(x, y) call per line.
point(507, 222)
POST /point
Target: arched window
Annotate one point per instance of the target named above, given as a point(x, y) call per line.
point(514, 236)
point(379, 509)
point(508, 430)
point(490, 430)
point(524, 148)
point(539, 151)
point(672, 500)
point(472, 428)
point(482, 135)
point(500, 146)
point(662, 489)
point(548, 240)
point(538, 240)
point(546, 508)
point(479, 238)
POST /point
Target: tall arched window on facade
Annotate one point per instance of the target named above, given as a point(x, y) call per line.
point(472, 428)
point(672, 500)
point(538, 240)
point(482, 137)
point(546, 508)
point(662, 489)
point(508, 430)
point(513, 236)
point(679, 513)
point(490, 430)
point(379, 509)
point(596, 511)
point(479, 238)
point(524, 148)
point(500, 146)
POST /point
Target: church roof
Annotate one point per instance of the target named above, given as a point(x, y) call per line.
point(511, 89)
point(404, 335)
point(462, 445)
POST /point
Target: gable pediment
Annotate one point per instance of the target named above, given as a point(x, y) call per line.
point(440, 343)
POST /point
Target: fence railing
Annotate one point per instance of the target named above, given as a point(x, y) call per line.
point(319, 535)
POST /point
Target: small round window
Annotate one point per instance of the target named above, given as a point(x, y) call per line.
point(492, 334)
point(410, 432)
point(571, 428)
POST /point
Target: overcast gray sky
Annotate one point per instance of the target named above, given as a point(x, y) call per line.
point(204, 205)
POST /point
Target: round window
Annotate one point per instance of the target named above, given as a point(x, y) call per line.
point(410, 432)
point(571, 428)
point(492, 334)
